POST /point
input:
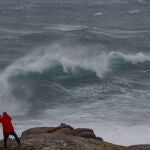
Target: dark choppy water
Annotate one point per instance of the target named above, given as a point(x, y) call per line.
point(85, 63)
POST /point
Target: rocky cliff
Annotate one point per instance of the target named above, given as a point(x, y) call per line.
point(65, 137)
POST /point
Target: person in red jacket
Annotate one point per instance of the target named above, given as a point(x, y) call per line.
point(8, 128)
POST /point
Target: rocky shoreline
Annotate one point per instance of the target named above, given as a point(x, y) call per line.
point(65, 137)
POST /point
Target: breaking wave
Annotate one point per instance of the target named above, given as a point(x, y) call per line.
point(72, 60)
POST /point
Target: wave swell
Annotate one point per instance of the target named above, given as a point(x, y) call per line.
point(71, 60)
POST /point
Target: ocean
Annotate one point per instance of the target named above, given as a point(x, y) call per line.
point(85, 63)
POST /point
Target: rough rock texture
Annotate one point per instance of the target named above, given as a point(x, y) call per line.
point(37, 130)
point(63, 137)
point(62, 129)
point(138, 147)
point(55, 141)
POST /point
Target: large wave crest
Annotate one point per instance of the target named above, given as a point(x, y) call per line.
point(69, 58)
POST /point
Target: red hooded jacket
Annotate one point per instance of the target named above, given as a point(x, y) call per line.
point(7, 124)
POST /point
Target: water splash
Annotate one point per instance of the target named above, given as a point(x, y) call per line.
point(68, 57)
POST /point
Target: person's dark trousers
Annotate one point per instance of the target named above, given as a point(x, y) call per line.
point(6, 135)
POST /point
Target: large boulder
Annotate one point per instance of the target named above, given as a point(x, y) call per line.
point(48, 141)
point(63, 137)
point(63, 129)
point(79, 130)
point(37, 130)
point(85, 132)
point(56, 141)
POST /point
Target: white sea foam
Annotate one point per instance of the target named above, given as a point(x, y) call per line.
point(118, 33)
point(70, 58)
point(65, 27)
point(133, 11)
point(108, 2)
point(24, 32)
point(25, 6)
point(140, 1)
point(41, 60)
point(98, 14)
point(132, 58)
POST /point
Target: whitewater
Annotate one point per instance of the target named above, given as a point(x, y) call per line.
point(83, 63)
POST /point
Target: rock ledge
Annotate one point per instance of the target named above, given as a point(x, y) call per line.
point(65, 137)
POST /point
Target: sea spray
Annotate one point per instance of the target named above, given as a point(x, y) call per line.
point(44, 59)
point(132, 58)
point(69, 58)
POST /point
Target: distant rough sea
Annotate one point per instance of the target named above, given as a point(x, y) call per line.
point(82, 62)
